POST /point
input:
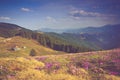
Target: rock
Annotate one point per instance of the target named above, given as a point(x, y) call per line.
point(16, 48)
point(24, 47)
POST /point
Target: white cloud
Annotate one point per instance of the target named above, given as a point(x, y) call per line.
point(25, 9)
point(4, 18)
point(50, 19)
point(79, 13)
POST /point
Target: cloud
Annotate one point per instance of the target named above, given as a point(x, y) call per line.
point(82, 13)
point(4, 18)
point(25, 9)
point(77, 14)
point(50, 19)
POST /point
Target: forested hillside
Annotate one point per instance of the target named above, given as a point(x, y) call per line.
point(51, 41)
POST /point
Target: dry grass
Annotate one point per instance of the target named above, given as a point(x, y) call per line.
point(6, 45)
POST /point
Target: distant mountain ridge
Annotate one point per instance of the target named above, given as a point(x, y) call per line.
point(81, 40)
point(52, 41)
point(93, 30)
point(106, 37)
point(51, 30)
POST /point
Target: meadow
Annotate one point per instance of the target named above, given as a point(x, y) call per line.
point(99, 65)
point(21, 47)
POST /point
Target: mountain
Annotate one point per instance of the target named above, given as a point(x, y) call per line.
point(51, 30)
point(10, 30)
point(106, 37)
point(95, 30)
point(80, 40)
point(97, 38)
point(52, 41)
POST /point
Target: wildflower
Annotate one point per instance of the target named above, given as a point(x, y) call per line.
point(48, 65)
point(86, 65)
point(113, 73)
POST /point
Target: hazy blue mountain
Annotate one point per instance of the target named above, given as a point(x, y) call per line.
point(95, 30)
point(105, 37)
point(52, 30)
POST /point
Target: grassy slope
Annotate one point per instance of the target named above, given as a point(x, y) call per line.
point(6, 44)
point(99, 65)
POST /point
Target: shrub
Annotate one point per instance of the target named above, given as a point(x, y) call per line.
point(33, 52)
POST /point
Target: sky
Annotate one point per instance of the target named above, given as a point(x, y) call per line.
point(60, 14)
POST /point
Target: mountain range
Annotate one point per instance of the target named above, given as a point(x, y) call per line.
point(72, 41)
point(105, 37)
point(8, 30)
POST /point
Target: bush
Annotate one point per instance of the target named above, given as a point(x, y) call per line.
point(33, 52)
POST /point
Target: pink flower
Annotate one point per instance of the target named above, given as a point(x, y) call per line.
point(113, 73)
point(101, 63)
point(86, 65)
point(48, 65)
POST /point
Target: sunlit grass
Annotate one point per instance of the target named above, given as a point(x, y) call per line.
point(7, 44)
point(81, 66)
